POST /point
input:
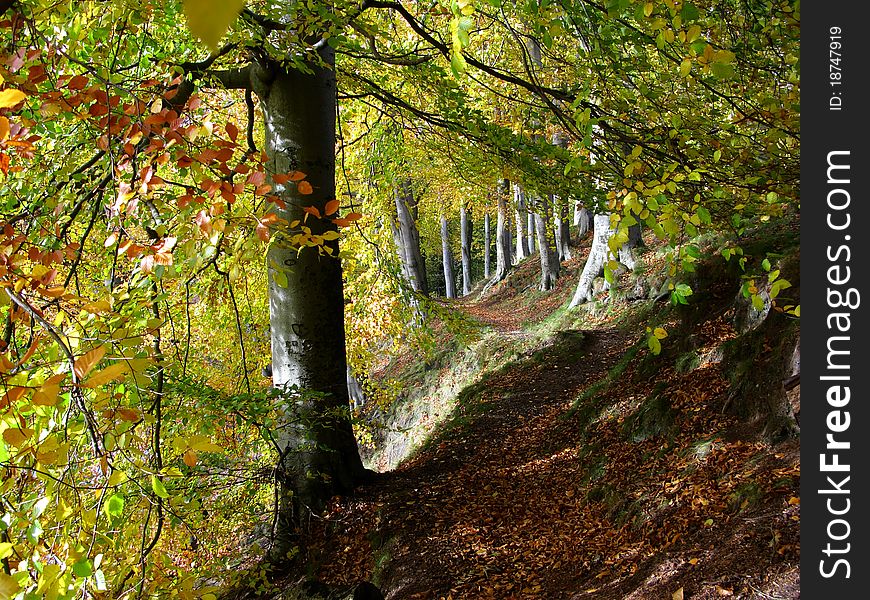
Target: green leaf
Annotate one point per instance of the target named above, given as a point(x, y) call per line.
point(685, 67)
point(210, 20)
point(83, 568)
point(158, 487)
point(765, 264)
point(654, 344)
point(114, 506)
point(457, 64)
point(704, 215)
point(280, 278)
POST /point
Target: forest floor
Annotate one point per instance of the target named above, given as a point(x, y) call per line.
point(585, 469)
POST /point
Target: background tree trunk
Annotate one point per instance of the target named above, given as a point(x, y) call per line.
point(306, 301)
point(487, 245)
point(502, 236)
point(409, 238)
point(547, 253)
point(520, 212)
point(563, 232)
point(582, 219)
point(595, 262)
point(447, 260)
point(465, 227)
point(530, 231)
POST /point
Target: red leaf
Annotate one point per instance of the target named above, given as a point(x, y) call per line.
point(331, 207)
point(305, 188)
point(232, 131)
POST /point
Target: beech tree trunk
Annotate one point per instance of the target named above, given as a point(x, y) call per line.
point(502, 236)
point(319, 454)
point(598, 256)
point(548, 256)
point(487, 245)
point(521, 215)
point(531, 237)
point(563, 232)
point(447, 260)
point(408, 239)
point(465, 238)
point(582, 219)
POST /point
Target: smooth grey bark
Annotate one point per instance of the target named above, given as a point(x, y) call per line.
point(320, 456)
point(563, 232)
point(487, 245)
point(520, 213)
point(408, 239)
point(447, 260)
point(547, 253)
point(531, 238)
point(582, 219)
point(355, 389)
point(598, 256)
point(465, 245)
point(595, 262)
point(502, 236)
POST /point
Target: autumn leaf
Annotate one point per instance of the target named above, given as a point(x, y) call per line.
point(304, 188)
point(4, 129)
point(16, 436)
point(86, 362)
point(209, 20)
point(9, 98)
point(312, 210)
point(110, 373)
point(331, 207)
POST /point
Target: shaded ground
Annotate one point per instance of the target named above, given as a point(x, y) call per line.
point(548, 482)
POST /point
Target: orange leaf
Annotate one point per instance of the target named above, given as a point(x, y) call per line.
point(189, 457)
point(16, 437)
point(232, 131)
point(304, 188)
point(4, 129)
point(127, 414)
point(353, 216)
point(312, 210)
point(342, 222)
point(13, 395)
point(86, 362)
point(331, 207)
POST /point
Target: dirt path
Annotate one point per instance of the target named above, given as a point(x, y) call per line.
point(517, 500)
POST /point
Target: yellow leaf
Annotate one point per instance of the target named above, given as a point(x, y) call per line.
point(660, 333)
point(678, 595)
point(794, 500)
point(97, 307)
point(9, 98)
point(5, 549)
point(8, 586)
point(86, 362)
point(209, 20)
point(110, 373)
point(685, 67)
point(201, 443)
point(46, 395)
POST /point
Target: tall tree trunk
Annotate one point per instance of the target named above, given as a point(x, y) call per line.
point(487, 245)
point(409, 238)
point(465, 236)
point(502, 236)
point(598, 256)
point(447, 260)
point(531, 238)
point(582, 219)
point(547, 253)
point(595, 262)
point(563, 232)
point(320, 456)
point(521, 216)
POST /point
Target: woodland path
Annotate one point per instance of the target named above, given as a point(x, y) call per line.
point(483, 514)
point(519, 498)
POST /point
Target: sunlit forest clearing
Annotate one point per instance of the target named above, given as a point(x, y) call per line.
point(467, 299)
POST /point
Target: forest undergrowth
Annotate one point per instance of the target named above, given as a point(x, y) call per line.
point(579, 465)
